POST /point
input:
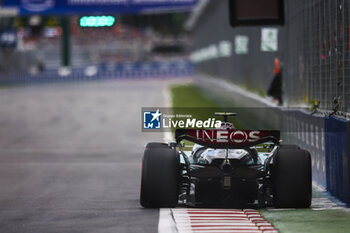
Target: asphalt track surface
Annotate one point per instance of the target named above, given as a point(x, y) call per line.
point(71, 156)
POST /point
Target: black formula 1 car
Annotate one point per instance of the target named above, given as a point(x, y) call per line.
point(226, 168)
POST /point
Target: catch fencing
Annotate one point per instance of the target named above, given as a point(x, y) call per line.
point(317, 52)
point(313, 46)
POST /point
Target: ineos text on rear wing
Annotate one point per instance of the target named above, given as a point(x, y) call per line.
point(227, 139)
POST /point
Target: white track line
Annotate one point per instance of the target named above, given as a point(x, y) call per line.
point(167, 136)
point(166, 222)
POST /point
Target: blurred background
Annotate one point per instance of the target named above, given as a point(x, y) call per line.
point(90, 44)
point(110, 41)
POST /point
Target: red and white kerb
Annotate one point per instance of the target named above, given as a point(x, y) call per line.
point(221, 221)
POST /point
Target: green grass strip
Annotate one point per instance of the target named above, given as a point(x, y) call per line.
point(309, 221)
point(189, 99)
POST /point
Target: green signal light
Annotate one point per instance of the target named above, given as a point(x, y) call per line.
point(97, 21)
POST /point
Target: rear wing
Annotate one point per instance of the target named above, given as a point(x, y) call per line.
point(227, 139)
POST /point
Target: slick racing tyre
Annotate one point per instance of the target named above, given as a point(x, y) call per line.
point(160, 178)
point(156, 145)
point(292, 179)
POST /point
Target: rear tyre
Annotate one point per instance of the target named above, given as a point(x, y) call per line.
point(292, 179)
point(160, 178)
point(156, 145)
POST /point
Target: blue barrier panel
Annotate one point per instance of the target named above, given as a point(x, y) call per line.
point(337, 158)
